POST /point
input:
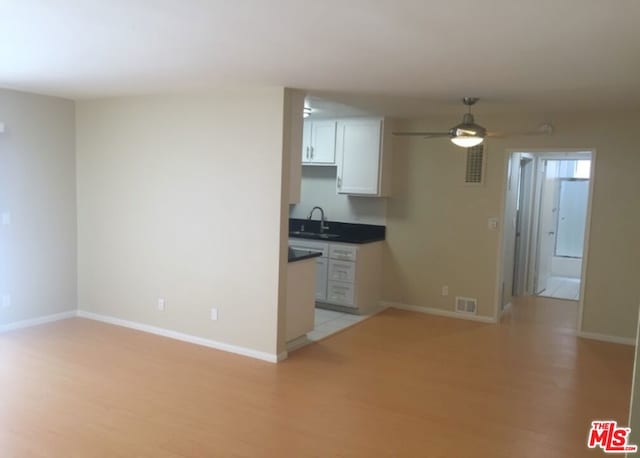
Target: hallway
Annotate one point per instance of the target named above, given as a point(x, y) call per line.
point(545, 312)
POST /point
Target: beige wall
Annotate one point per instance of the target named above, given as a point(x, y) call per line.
point(37, 188)
point(437, 227)
point(181, 197)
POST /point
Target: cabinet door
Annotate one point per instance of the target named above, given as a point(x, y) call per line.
point(323, 142)
point(359, 157)
point(306, 142)
point(321, 279)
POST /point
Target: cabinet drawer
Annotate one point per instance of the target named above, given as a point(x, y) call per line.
point(310, 245)
point(343, 252)
point(340, 293)
point(342, 271)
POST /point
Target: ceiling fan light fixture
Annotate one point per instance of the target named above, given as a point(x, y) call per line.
point(467, 141)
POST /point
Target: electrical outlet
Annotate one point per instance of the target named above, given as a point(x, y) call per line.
point(492, 224)
point(161, 305)
point(214, 314)
point(445, 290)
point(6, 301)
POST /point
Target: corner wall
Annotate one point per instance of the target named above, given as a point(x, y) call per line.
point(180, 197)
point(37, 189)
point(437, 227)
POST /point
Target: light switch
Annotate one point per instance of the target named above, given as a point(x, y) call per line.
point(493, 224)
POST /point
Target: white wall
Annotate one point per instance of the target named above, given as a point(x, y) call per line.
point(319, 188)
point(181, 197)
point(37, 188)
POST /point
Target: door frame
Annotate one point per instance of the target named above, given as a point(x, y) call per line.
point(524, 224)
point(547, 153)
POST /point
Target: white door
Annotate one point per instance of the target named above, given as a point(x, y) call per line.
point(323, 142)
point(547, 227)
point(306, 142)
point(322, 267)
point(359, 144)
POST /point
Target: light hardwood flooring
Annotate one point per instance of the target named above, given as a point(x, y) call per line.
point(398, 384)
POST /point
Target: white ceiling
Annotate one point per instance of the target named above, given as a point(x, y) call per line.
point(405, 57)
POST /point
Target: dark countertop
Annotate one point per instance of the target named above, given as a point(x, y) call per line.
point(301, 255)
point(337, 232)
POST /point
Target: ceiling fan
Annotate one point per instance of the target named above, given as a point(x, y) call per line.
point(468, 134)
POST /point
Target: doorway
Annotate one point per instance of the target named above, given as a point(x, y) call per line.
point(546, 214)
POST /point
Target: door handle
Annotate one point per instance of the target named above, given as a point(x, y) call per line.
point(312, 152)
point(551, 233)
point(307, 154)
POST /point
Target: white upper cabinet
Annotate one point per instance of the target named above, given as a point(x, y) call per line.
point(319, 142)
point(362, 164)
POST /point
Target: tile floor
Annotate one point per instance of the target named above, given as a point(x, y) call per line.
point(562, 288)
point(328, 322)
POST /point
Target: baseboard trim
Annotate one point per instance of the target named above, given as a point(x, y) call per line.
point(269, 357)
point(37, 321)
point(607, 338)
point(505, 309)
point(440, 312)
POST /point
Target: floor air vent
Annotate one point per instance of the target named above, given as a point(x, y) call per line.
point(466, 305)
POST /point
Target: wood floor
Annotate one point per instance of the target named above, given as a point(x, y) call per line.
point(399, 384)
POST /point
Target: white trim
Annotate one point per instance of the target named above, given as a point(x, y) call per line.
point(37, 321)
point(499, 287)
point(505, 309)
point(587, 239)
point(270, 357)
point(440, 312)
point(607, 338)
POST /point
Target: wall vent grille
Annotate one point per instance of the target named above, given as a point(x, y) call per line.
point(466, 305)
point(475, 165)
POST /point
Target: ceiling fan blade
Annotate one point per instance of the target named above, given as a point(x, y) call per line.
point(422, 134)
point(543, 129)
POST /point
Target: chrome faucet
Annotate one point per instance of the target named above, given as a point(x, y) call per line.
point(323, 226)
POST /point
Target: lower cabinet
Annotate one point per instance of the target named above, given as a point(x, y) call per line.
point(347, 275)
